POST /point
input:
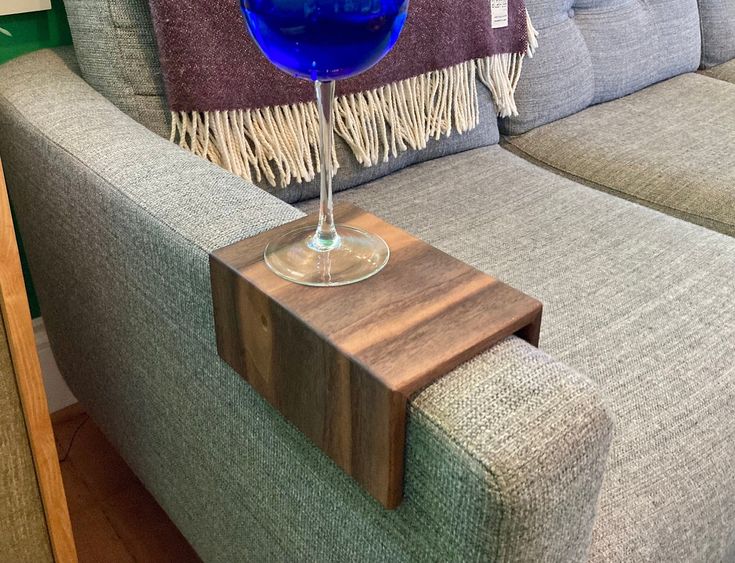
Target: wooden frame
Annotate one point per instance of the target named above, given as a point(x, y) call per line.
point(18, 327)
point(342, 363)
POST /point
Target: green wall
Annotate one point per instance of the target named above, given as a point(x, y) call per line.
point(32, 31)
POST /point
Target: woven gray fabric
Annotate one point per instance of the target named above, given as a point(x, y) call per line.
point(23, 535)
point(668, 147)
point(505, 455)
point(718, 31)
point(639, 301)
point(592, 51)
point(352, 174)
point(724, 72)
point(116, 48)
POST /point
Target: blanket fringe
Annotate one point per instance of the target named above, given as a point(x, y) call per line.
point(500, 73)
point(279, 145)
point(271, 144)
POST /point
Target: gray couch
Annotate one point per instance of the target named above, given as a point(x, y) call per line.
point(613, 442)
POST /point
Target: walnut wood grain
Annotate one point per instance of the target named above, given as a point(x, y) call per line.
point(341, 363)
point(19, 329)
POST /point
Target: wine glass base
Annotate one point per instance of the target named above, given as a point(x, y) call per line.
point(358, 256)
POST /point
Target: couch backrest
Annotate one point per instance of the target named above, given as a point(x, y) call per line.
point(718, 31)
point(117, 55)
point(116, 50)
point(592, 51)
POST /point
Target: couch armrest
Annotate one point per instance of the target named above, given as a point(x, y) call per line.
point(505, 455)
point(537, 434)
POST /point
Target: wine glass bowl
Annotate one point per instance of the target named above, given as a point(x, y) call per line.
point(322, 41)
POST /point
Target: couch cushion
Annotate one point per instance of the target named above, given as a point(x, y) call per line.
point(638, 301)
point(669, 146)
point(592, 51)
point(718, 31)
point(117, 54)
point(724, 71)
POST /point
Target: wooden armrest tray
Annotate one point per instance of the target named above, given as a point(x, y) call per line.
point(341, 363)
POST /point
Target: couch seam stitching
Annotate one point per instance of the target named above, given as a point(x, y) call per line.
point(602, 187)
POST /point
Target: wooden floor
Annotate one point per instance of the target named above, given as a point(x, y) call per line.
point(114, 518)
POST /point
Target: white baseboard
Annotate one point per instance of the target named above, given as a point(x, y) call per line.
point(57, 392)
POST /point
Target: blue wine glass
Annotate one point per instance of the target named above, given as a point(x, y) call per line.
point(324, 41)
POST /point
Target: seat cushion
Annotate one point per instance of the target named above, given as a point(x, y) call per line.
point(593, 51)
point(724, 71)
point(669, 146)
point(718, 31)
point(638, 301)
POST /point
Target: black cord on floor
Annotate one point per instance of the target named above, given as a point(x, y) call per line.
point(74, 435)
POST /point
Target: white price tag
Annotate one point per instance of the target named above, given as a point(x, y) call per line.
point(499, 13)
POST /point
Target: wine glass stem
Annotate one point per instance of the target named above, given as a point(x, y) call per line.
point(326, 237)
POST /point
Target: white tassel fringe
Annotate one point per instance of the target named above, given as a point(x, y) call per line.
point(279, 144)
point(500, 73)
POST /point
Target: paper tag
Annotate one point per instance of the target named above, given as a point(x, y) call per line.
point(499, 13)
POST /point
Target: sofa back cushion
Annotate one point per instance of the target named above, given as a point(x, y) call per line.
point(116, 51)
point(593, 51)
point(718, 31)
point(117, 55)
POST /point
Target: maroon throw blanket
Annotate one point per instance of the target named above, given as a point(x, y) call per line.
point(232, 106)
